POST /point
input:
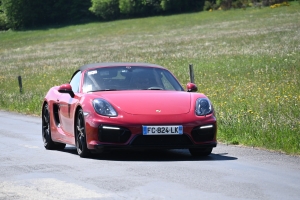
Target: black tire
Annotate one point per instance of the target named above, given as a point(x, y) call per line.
point(198, 152)
point(59, 146)
point(46, 131)
point(80, 135)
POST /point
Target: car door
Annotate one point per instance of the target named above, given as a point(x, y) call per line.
point(67, 105)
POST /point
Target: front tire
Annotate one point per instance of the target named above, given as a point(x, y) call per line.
point(46, 131)
point(81, 145)
point(198, 152)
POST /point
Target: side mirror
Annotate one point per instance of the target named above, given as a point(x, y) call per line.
point(191, 87)
point(66, 88)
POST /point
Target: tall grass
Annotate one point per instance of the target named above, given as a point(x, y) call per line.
point(246, 61)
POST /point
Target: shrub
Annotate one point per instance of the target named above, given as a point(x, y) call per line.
point(64, 11)
point(140, 7)
point(33, 13)
point(79, 10)
point(126, 7)
point(176, 6)
point(173, 5)
point(3, 22)
point(207, 5)
point(105, 9)
point(151, 7)
point(13, 11)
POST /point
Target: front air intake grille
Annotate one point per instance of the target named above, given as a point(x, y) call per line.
point(113, 134)
point(204, 133)
point(161, 140)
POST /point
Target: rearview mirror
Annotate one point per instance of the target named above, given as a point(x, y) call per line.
point(66, 88)
point(191, 87)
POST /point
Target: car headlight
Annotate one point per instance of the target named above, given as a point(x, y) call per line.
point(203, 107)
point(102, 107)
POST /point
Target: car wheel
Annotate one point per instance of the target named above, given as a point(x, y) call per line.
point(81, 145)
point(46, 132)
point(200, 152)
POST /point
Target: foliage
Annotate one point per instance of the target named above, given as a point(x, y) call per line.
point(105, 9)
point(224, 4)
point(176, 6)
point(34, 13)
point(152, 7)
point(140, 7)
point(78, 10)
point(280, 4)
point(18, 14)
point(208, 5)
point(3, 20)
point(131, 7)
point(136, 8)
point(238, 4)
point(228, 4)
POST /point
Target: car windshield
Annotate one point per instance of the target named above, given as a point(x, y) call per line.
point(129, 78)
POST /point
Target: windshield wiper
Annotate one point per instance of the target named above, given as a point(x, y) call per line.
point(154, 88)
point(103, 90)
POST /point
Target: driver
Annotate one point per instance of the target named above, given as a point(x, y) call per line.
point(142, 81)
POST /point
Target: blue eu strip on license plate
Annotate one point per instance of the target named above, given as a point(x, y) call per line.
point(162, 130)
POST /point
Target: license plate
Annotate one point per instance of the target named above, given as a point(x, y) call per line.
point(162, 130)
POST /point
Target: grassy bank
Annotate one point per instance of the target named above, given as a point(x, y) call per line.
point(246, 61)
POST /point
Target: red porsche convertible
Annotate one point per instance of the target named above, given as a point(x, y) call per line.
point(127, 105)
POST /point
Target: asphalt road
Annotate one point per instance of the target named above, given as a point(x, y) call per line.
point(28, 171)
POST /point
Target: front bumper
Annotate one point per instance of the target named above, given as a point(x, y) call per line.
point(104, 147)
point(115, 137)
point(116, 133)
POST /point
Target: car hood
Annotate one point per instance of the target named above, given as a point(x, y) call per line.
point(149, 102)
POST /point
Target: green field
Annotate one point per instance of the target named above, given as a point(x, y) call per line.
point(246, 61)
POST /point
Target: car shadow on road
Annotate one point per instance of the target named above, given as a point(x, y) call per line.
point(153, 155)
